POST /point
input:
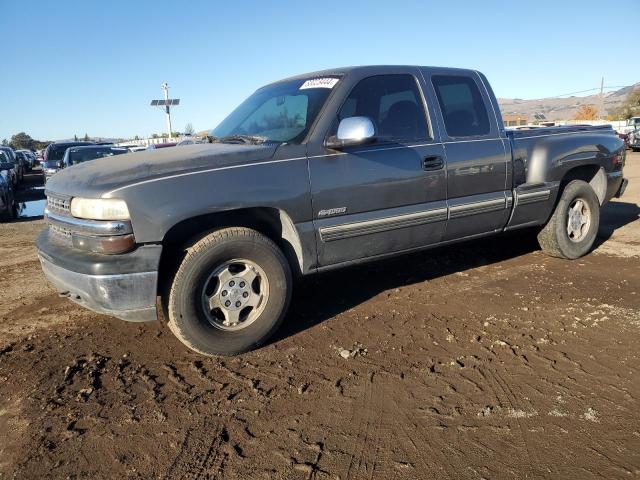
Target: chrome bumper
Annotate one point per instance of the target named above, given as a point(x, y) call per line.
point(130, 296)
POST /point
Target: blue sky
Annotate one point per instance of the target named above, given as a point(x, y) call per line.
point(76, 67)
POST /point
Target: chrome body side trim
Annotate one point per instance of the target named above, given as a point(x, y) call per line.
point(89, 227)
point(532, 197)
point(509, 197)
point(465, 209)
point(348, 230)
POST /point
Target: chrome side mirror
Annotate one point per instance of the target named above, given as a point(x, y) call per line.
point(353, 131)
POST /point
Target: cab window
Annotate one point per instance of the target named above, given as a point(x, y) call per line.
point(394, 105)
point(462, 106)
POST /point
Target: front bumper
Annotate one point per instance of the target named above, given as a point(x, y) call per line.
point(123, 286)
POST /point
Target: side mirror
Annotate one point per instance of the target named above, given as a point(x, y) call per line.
point(353, 131)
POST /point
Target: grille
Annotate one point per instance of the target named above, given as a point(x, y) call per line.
point(58, 204)
point(60, 235)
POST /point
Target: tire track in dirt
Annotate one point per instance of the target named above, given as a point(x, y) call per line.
point(362, 415)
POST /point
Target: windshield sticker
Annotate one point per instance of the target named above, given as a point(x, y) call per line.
point(320, 83)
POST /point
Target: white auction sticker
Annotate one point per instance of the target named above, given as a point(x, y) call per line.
point(320, 83)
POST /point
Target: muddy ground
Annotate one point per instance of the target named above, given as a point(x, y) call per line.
point(484, 360)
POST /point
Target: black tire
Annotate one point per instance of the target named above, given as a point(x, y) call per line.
point(554, 238)
point(7, 213)
point(10, 212)
point(187, 317)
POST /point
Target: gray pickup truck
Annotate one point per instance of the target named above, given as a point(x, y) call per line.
point(311, 173)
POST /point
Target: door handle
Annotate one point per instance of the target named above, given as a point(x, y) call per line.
point(433, 162)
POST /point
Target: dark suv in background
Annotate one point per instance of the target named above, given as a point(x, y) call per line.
point(86, 153)
point(53, 156)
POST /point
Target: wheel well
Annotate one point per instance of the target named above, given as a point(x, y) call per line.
point(272, 222)
point(592, 174)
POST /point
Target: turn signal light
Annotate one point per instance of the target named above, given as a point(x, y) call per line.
point(108, 245)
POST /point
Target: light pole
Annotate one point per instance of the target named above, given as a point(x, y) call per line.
point(165, 88)
point(167, 103)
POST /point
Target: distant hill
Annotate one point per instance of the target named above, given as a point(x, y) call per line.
point(564, 108)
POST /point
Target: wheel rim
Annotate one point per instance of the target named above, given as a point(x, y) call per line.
point(578, 220)
point(235, 294)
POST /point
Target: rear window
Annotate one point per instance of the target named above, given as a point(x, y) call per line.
point(55, 152)
point(463, 109)
point(85, 154)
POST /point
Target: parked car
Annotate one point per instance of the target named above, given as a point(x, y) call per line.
point(7, 169)
point(155, 146)
point(190, 141)
point(53, 155)
point(17, 173)
point(30, 159)
point(24, 162)
point(75, 155)
point(7, 199)
point(312, 173)
point(634, 140)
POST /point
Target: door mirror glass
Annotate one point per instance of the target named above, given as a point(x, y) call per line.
point(353, 131)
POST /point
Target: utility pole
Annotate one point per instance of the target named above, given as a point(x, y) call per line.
point(165, 88)
point(166, 103)
point(602, 97)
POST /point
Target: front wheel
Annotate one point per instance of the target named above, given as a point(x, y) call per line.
point(573, 226)
point(230, 293)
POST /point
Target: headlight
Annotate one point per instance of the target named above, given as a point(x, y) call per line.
point(99, 209)
point(50, 171)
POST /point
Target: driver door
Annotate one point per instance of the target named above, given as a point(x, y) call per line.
point(388, 196)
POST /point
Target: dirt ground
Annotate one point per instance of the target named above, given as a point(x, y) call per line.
point(483, 360)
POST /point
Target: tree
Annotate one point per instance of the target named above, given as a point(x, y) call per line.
point(86, 137)
point(136, 137)
point(586, 112)
point(75, 137)
point(188, 129)
point(21, 141)
point(631, 106)
point(5, 143)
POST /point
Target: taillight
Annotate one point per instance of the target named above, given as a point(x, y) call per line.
point(617, 160)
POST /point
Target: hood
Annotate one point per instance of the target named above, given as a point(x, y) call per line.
point(93, 178)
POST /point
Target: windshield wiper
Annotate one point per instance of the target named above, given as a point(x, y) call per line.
point(249, 139)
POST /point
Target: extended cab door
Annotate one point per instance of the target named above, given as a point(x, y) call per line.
point(387, 196)
point(478, 161)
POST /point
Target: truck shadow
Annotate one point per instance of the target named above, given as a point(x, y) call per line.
point(613, 216)
point(321, 297)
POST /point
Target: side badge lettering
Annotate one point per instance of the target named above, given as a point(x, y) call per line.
point(332, 211)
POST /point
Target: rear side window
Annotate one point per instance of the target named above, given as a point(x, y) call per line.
point(392, 102)
point(463, 109)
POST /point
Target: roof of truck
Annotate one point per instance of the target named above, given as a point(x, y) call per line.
point(367, 69)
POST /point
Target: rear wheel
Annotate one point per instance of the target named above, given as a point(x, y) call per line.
point(230, 293)
point(573, 226)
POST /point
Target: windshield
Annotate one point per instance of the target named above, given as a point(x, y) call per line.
point(282, 112)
